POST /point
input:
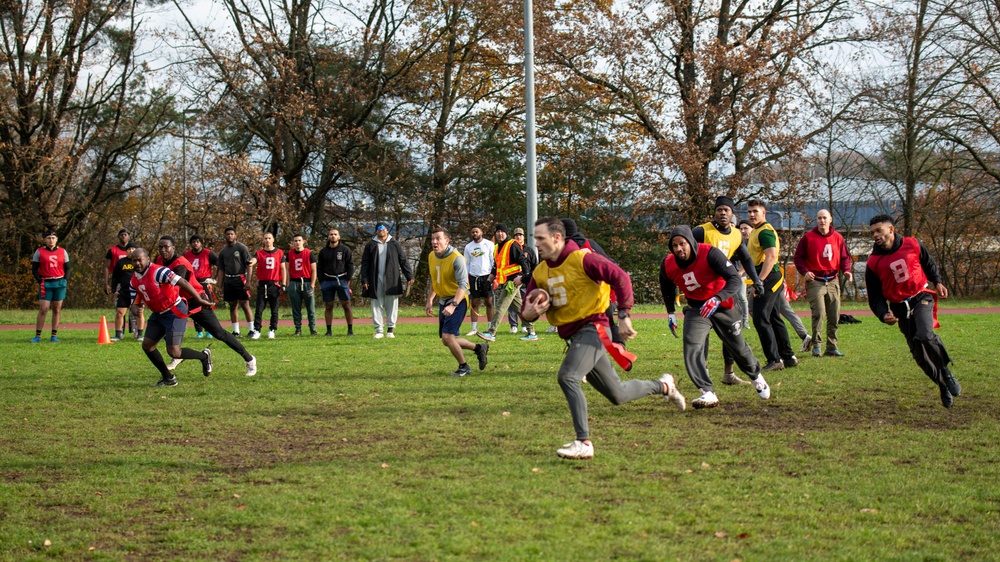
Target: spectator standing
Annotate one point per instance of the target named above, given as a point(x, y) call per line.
point(509, 264)
point(515, 311)
point(204, 262)
point(235, 259)
point(479, 257)
point(270, 284)
point(384, 272)
point(120, 250)
point(820, 257)
point(335, 265)
point(50, 268)
point(121, 287)
point(300, 278)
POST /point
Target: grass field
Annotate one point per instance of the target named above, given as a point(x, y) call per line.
point(352, 448)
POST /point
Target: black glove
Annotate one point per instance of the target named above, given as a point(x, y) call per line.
point(758, 289)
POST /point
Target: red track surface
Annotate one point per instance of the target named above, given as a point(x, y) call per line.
point(428, 319)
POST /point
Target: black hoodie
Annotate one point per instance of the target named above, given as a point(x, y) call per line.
point(876, 297)
point(716, 260)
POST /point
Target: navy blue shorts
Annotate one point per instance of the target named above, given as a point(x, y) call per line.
point(166, 326)
point(452, 324)
point(335, 289)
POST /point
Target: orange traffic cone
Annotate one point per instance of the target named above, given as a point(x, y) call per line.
point(102, 336)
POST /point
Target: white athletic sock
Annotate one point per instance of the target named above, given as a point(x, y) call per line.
point(474, 325)
point(236, 327)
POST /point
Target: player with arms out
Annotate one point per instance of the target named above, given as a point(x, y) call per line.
point(709, 281)
point(901, 271)
point(50, 268)
point(450, 284)
point(571, 286)
point(205, 316)
point(159, 288)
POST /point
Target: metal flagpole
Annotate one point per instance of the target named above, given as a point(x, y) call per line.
point(529, 125)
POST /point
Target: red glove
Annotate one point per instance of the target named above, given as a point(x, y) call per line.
point(709, 308)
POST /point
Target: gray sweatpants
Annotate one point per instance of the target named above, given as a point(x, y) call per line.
point(728, 324)
point(586, 356)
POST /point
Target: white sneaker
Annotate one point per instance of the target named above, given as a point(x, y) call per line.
point(707, 400)
point(805, 344)
point(173, 364)
point(270, 334)
point(673, 395)
point(472, 333)
point(576, 450)
point(513, 329)
point(391, 335)
point(252, 366)
point(255, 335)
point(379, 335)
point(763, 390)
point(551, 329)
point(524, 329)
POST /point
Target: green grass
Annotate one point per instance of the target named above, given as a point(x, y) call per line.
point(351, 448)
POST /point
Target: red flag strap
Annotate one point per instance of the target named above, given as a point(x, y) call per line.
point(617, 351)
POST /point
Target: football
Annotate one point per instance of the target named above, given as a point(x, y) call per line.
point(538, 297)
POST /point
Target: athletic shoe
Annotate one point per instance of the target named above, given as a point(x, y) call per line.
point(390, 335)
point(254, 335)
point(773, 366)
point(36, 339)
point(379, 335)
point(707, 400)
point(174, 363)
point(551, 329)
point(350, 330)
point(462, 371)
point(206, 364)
point(806, 342)
point(237, 334)
point(54, 339)
point(329, 333)
point(816, 352)
point(731, 378)
point(298, 332)
point(954, 388)
point(513, 329)
point(116, 339)
point(172, 381)
point(524, 329)
point(200, 335)
point(484, 349)
point(946, 398)
point(270, 334)
point(530, 337)
point(486, 336)
point(791, 361)
point(673, 395)
point(313, 332)
point(833, 353)
point(763, 390)
point(472, 333)
point(252, 366)
point(138, 336)
point(208, 336)
point(577, 450)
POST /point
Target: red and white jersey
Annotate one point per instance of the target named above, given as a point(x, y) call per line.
point(51, 263)
point(698, 281)
point(299, 264)
point(269, 264)
point(157, 287)
point(201, 265)
point(901, 274)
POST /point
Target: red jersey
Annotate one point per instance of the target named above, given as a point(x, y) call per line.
point(822, 255)
point(901, 274)
point(201, 265)
point(116, 253)
point(192, 278)
point(51, 263)
point(269, 264)
point(299, 264)
point(698, 281)
point(157, 287)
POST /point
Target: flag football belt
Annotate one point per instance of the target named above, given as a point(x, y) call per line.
point(617, 351)
point(909, 310)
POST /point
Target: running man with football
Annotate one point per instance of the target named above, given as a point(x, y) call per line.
point(572, 286)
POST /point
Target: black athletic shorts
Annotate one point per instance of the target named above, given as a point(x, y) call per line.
point(235, 289)
point(126, 296)
point(480, 287)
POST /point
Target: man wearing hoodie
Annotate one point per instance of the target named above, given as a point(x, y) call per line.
point(720, 233)
point(384, 271)
point(820, 256)
point(709, 281)
point(509, 265)
point(576, 285)
point(450, 284)
point(903, 287)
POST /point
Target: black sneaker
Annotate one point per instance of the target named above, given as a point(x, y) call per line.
point(832, 353)
point(350, 330)
point(236, 334)
point(484, 348)
point(172, 381)
point(790, 361)
point(462, 371)
point(206, 364)
point(298, 331)
point(329, 333)
point(954, 388)
point(946, 398)
point(773, 366)
point(313, 332)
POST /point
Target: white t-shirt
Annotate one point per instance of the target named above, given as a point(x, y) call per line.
point(479, 258)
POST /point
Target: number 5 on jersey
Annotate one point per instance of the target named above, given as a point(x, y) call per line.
point(557, 292)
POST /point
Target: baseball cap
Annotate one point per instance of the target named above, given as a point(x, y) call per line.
point(518, 230)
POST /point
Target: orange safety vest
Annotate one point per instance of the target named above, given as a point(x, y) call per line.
point(501, 254)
